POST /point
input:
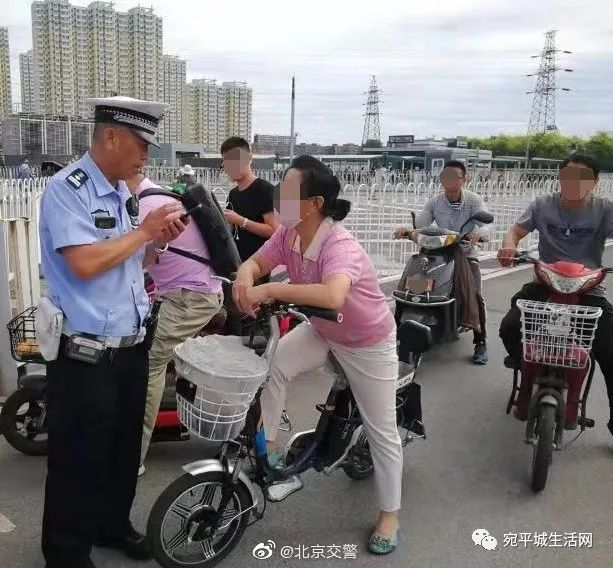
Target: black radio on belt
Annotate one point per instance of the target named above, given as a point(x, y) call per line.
point(150, 324)
point(85, 349)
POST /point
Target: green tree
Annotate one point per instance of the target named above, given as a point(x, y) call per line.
point(551, 145)
point(372, 143)
point(601, 147)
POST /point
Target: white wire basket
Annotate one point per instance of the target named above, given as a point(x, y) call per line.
point(559, 335)
point(224, 377)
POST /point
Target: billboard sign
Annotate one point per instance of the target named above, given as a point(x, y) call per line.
point(401, 139)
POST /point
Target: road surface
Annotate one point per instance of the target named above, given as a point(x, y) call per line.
point(471, 473)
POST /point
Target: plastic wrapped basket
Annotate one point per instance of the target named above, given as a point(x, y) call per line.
point(225, 377)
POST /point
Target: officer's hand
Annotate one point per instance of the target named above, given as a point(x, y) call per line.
point(171, 232)
point(506, 255)
point(157, 224)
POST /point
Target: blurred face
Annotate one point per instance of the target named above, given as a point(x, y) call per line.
point(237, 163)
point(126, 151)
point(292, 202)
point(577, 181)
point(453, 180)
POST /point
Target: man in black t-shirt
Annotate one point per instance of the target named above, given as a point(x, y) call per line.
point(250, 208)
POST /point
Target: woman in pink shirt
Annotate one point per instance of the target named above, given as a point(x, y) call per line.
point(329, 269)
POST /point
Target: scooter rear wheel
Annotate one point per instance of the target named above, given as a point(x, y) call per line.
point(543, 449)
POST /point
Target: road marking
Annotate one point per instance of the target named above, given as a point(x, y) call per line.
point(5, 525)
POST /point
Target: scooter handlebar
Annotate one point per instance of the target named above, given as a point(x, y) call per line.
point(313, 312)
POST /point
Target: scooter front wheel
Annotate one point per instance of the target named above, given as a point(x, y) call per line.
point(543, 448)
point(179, 523)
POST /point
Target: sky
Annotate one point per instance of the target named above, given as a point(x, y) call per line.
point(445, 68)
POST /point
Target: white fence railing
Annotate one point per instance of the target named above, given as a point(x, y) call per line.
point(215, 177)
point(377, 209)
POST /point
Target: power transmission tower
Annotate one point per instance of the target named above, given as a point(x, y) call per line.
point(543, 113)
point(372, 130)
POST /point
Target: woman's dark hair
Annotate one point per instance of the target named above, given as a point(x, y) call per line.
point(584, 160)
point(318, 179)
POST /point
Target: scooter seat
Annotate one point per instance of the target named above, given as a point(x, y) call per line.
point(413, 338)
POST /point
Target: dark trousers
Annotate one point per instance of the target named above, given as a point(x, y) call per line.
point(510, 330)
point(95, 420)
point(475, 268)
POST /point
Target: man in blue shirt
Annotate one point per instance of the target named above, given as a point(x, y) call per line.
point(93, 251)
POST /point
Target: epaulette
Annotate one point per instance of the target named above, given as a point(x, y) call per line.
point(77, 178)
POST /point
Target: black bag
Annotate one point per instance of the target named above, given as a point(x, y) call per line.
point(211, 223)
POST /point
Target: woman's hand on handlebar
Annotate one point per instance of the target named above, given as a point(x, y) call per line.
point(243, 282)
point(250, 297)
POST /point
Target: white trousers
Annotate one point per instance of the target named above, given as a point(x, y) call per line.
point(372, 373)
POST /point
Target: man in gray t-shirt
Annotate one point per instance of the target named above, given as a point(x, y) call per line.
point(573, 226)
point(451, 210)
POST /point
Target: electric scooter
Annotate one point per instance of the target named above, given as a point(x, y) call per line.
point(557, 337)
point(425, 291)
point(201, 517)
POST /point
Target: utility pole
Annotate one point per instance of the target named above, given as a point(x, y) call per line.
point(292, 133)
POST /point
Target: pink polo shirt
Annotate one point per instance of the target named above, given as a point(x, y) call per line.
point(175, 272)
point(367, 319)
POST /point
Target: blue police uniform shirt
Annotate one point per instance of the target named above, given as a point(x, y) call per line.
point(114, 303)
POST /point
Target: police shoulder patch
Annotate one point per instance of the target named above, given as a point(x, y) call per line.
point(77, 178)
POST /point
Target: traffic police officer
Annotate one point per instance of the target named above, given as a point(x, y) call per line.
point(92, 256)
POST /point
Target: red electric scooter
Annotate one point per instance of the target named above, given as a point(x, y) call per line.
point(557, 337)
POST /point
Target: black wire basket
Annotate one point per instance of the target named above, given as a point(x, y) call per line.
point(24, 347)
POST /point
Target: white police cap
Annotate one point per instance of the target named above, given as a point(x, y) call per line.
point(142, 117)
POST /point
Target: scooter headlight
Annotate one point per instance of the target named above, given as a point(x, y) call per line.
point(567, 285)
point(436, 241)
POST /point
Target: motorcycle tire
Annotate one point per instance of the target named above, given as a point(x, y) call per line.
point(12, 423)
point(543, 450)
point(168, 502)
point(358, 464)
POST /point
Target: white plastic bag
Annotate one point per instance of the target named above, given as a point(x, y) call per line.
point(48, 325)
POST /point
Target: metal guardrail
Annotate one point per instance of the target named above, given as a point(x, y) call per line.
point(377, 209)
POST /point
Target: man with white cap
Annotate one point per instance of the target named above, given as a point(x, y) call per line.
point(93, 249)
point(185, 179)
